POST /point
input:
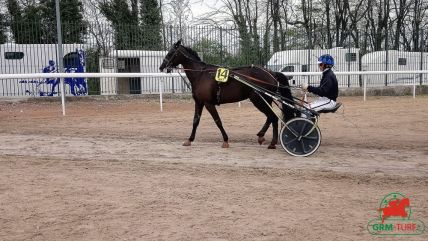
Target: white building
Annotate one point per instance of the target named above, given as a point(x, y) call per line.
point(136, 61)
point(395, 61)
point(305, 60)
point(33, 58)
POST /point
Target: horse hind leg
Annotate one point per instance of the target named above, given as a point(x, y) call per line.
point(260, 104)
point(262, 132)
point(274, 119)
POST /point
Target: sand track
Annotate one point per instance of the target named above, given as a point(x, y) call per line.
point(116, 170)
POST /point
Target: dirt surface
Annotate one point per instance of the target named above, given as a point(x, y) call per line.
point(116, 170)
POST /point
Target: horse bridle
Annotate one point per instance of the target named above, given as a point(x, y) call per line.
point(169, 60)
point(169, 67)
point(177, 50)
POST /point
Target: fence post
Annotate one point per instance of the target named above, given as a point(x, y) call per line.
point(365, 87)
point(308, 64)
point(414, 86)
point(386, 66)
point(221, 45)
point(386, 54)
point(421, 77)
point(171, 42)
point(360, 80)
point(60, 53)
point(349, 60)
point(160, 96)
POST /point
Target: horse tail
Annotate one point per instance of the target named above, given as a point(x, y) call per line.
point(287, 111)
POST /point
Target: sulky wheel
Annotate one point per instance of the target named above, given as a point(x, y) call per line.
point(300, 137)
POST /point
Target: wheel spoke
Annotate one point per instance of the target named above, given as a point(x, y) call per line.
point(310, 137)
point(303, 128)
point(293, 131)
point(311, 130)
point(288, 142)
point(303, 147)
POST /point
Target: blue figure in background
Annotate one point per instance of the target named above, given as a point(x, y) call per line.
point(80, 82)
point(74, 64)
point(70, 81)
point(51, 68)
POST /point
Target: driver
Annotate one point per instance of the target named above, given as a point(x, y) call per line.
point(328, 89)
point(51, 68)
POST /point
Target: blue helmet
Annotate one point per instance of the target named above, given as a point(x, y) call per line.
point(326, 59)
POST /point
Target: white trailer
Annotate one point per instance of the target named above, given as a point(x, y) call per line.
point(136, 61)
point(305, 60)
point(394, 61)
point(36, 58)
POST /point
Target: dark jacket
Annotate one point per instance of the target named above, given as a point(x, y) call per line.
point(328, 86)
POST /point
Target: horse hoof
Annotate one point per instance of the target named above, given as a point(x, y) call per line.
point(261, 140)
point(187, 143)
point(225, 145)
point(272, 146)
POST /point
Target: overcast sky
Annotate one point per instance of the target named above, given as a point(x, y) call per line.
point(202, 7)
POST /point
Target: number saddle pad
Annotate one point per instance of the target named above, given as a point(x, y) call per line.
point(222, 75)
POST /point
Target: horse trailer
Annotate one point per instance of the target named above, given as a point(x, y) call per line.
point(37, 58)
point(305, 60)
point(394, 61)
point(136, 61)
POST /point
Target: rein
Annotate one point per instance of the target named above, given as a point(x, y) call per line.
point(243, 75)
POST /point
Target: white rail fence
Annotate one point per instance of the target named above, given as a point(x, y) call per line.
point(415, 74)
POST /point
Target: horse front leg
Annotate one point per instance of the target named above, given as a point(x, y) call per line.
point(199, 106)
point(213, 111)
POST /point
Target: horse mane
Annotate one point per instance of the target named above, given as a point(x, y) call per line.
point(192, 52)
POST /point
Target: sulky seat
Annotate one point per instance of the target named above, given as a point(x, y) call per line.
point(332, 110)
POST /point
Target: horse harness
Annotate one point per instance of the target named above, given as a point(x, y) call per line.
point(220, 84)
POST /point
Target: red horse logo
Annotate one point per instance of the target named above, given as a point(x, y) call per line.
point(395, 208)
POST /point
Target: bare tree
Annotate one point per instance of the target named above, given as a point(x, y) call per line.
point(245, 16)
point(377, 17)
point(179, 13)
point(327, 7)
point(276, 20)
point(99, 29)
point(401, 9)
point(301, 15)
point(341, 15)
point(357, 10)
point(420, 8)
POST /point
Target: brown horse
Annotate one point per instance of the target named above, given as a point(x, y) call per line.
point(206, 91)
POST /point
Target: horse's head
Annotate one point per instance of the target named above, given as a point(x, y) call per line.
point(173, 58)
